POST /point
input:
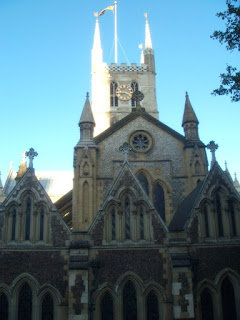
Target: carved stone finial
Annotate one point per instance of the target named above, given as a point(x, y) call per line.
point(31, 154)
point(212, 146)
point(125, 148)
point(87, 95)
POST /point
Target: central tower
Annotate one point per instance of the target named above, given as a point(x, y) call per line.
point(113, 85)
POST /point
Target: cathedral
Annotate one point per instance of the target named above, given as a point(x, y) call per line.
point(142, 229)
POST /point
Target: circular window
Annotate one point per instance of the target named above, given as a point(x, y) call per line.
point(141, 141)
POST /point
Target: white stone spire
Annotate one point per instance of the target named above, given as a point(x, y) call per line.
point(148, 40)
point(97, 54)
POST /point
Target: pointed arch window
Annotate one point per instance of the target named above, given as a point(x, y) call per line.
point(152, 306)
point(113, 215)
point(134, 86)
point(144, 182)
point(47, 307)
point(205, 218)
point(113, 96)
point(129, 302)
point(159, 200)
point(14, 218)
point(25, 303)
point(219, 216)
point(206, 305)
point(228, 300)
point(28, 219)
point(232, 219)
point(141, 222)
point(197, 167)
point(41, 224)
point(3, 306)
point(107, 307)
point(127, 219)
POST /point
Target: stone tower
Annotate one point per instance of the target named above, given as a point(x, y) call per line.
point(113, 85)
point(84, 182)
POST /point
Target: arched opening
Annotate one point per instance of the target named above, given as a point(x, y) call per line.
point(85, 201)
point(159, 200)
point(107, 307)
point(228, 300)
point(232, 219)
point(25, 303)
point(197, 167)
point(206, 221)
point(219, 215)
point(206, 305)
point(152, 306)
point(3, 306)
point(129, 302)
point(134, 86)
point(14, 218)
point(113, 97)
point(47, 307)
point(141, 223)
point(144, 182)
point(113, 216)
point(127, 219)
point(41, 231)
point(28, 219)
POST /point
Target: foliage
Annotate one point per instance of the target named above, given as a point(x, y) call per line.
point(230, 81)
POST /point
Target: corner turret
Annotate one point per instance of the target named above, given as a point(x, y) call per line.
point(86, 122)
point(190, 121)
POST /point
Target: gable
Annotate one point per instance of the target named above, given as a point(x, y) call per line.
point(29, 215)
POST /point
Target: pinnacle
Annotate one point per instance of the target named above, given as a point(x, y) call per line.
point(87, 115)
point(189, 114)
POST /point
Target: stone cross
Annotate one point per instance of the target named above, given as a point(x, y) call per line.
point(212, 146)
point(138, 96)
point(31, 154)
point(125, 148)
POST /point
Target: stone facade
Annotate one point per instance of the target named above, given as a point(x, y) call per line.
point(147, 231)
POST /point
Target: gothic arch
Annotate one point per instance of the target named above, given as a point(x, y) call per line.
point(99, 295)
point(144, 172)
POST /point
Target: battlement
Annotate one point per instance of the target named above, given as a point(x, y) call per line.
point(125, 68)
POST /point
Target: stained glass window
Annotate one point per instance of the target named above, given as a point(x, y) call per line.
point(107, 307)
point(152, 306)
point(219, 216)
point(159, 201)
point(41, 224)
point(205, 212)
point(129, 302)
point(232, 217)
point(25, 303)
point(3, 306)
point(113, 223)
point(28, 219)
point(127, 218)
point(14, 217)
point(47, 307)
point(141, 223)
point(144, 182)
point(206, 305)
point(228, 301)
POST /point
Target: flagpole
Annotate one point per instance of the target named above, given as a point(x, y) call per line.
point(115, 28)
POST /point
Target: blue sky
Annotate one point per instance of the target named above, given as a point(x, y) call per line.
point(45, 67)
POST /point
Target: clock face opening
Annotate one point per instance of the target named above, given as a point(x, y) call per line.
point(124, 92)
